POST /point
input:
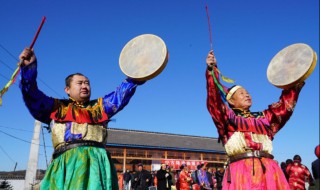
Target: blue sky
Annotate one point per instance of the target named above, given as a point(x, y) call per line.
point(88, 36)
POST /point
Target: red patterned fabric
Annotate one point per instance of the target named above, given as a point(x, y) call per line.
point(68, 110)
point(298, 173)
point(185, 180)
point(195, 187)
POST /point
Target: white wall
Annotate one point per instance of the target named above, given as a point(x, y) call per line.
point(18, 184)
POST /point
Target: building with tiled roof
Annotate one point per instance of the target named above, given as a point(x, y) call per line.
point(130, 147)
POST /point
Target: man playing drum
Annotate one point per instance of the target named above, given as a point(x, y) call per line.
point(247, 136)
point(79, 128)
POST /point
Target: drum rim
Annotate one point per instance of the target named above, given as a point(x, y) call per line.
point(157, 70)
point(302, 77)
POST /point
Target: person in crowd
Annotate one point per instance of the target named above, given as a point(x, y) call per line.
point(195, 179)
point(214, 179)
point(219, 178)
point(203, 178)
point(298, 174)
point(163, 178)
point(177, 178)
point(132, 181)
point(283, 166)
point(155, 180)
point(142, 178)
point(315, 167)
point(289, 161)
point(120, 181)
point(171, 179)
point(185, 179)
point(78, 126)
point(247, 136)
point(210, 177)
point(127, 179)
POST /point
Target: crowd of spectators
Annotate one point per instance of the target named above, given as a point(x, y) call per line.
point(209, 178)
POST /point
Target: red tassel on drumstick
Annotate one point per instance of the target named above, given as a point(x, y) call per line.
point(16, 72)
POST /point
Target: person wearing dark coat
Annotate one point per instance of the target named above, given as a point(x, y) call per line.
point(315, 167)
point(127, 178)
point(164, 178)
point(142, 178)
point(219, 177)
point(210, 175)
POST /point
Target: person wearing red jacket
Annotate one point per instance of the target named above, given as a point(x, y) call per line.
point(184, 178)
point(298, 174)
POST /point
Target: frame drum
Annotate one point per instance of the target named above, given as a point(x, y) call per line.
point(144, 57)
point(291, 65)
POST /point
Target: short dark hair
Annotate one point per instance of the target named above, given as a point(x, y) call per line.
point(289, 161)
point(69, 78)
point(297, 157)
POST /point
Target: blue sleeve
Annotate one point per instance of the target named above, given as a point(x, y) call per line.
point(118, 99)
point(39, 105)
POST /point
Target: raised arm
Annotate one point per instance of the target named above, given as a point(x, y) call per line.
point(39, 105)
point(215, 105)
point(118, 99)
point(279, 113)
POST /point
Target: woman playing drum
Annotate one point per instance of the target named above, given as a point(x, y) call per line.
point(247, 136)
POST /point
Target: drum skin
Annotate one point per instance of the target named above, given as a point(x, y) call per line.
point(291, 65)
point(144, 57)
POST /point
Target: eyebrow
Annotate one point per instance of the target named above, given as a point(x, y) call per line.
point(85, 80)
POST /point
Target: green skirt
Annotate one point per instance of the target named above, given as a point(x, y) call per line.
point(81, 168)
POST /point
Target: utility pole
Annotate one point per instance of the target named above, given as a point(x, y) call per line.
point(31, 172)
point(15, 166)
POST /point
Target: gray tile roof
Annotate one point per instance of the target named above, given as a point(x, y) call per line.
point(167, 141)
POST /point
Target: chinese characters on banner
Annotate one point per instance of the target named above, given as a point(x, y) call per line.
point(175, 164)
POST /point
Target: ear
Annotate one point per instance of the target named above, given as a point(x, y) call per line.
point(230, 101)
point(67, 90)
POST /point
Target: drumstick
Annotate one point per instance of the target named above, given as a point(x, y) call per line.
point(209, 26)
point(224, 78)
point(35, 37)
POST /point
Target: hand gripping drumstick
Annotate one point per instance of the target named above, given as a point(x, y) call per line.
point(16, 72)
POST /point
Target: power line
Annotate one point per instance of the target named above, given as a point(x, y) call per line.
point(5, 78)
point(21, 139)
point(14, 57)
point(7, 154)
point(6, 50)
point(17, 129)
point(6, 65)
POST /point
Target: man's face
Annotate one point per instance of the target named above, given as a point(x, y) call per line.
point(79, 89)
point(140, 168)
point(241, 99)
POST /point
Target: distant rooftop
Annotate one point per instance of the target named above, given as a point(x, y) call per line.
point(19, 175)
point(164, 141)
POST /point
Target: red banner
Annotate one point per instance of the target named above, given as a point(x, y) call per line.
point(175, 164)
